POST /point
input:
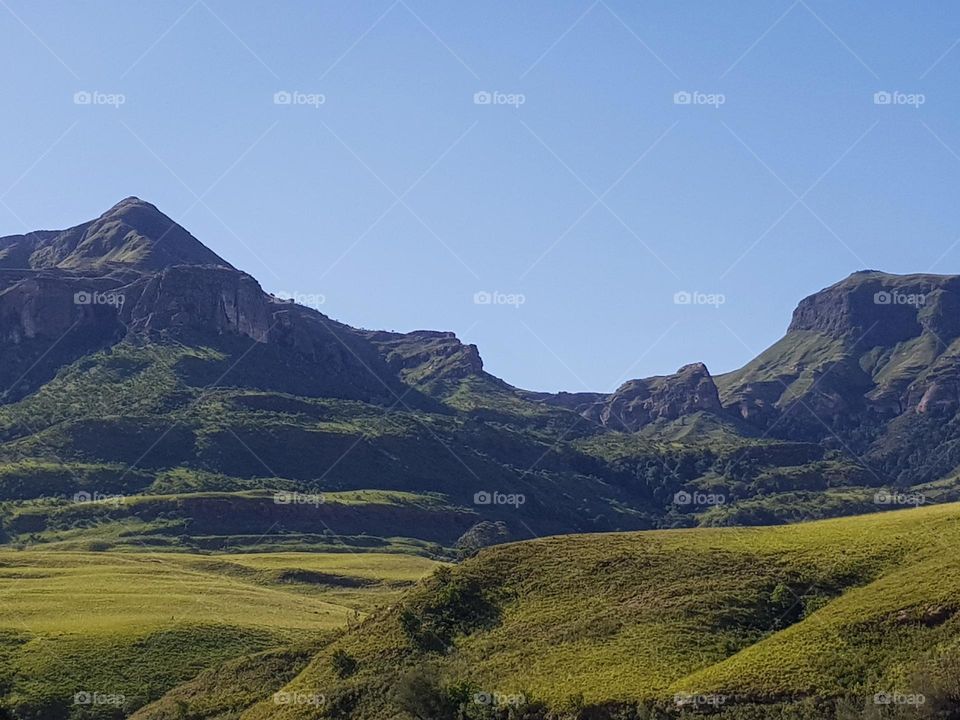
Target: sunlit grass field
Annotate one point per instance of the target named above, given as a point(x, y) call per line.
point(137, 624)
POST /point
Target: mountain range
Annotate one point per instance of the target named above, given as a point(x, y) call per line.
point(137, 364)
point(217, 504)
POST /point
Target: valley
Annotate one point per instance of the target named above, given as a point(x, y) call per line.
point(210, 495)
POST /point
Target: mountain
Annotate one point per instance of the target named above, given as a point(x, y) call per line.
point(169, 430)
point(137, 363)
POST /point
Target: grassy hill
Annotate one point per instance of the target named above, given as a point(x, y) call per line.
point(130, 626)
point(802, 621)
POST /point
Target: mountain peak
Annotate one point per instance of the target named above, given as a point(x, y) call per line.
point(131, 200)
point(133, 234)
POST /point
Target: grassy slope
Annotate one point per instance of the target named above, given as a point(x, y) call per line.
point(845, 606)
point(224, 692)
point(792, 359)
point(139, 624)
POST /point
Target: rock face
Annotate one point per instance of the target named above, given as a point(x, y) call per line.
point(205, 299)
point(638, 403)
point(45, 308)
point(882, 309)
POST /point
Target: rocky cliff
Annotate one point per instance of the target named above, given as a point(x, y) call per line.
point(638, 403)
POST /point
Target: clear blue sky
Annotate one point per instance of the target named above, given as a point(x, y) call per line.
point(795, 181)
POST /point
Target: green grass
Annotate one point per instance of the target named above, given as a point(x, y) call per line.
point(788, 366)
point(226, 691)
point(138, 624)
point(836, 608)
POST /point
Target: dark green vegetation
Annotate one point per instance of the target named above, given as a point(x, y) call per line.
point(155, 400)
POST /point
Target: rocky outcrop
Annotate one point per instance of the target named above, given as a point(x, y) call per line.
point(638, 403)
point(424, 356)
point(937, 390)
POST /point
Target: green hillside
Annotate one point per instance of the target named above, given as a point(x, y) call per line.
point(760, 621)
